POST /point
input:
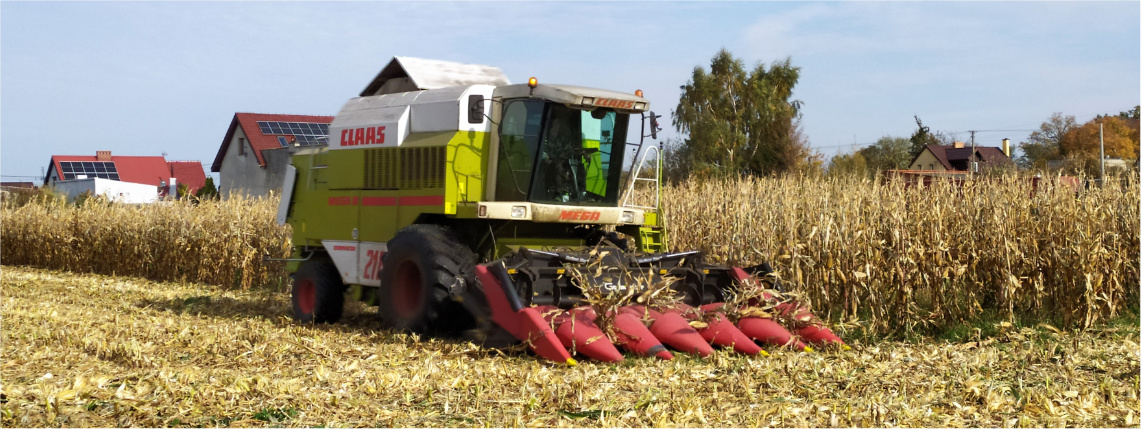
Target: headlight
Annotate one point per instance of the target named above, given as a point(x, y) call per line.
point(627, 217)
point(518, 212)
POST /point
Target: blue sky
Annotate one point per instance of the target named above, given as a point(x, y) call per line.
point(143, 78)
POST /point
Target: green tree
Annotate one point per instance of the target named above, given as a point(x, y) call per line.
point(208, 190)
point(739, 122)
point(675, 162)
point(923, 137)
point(1045, 144)
point(888, 153)
point(848, 164)
point(1131, 114)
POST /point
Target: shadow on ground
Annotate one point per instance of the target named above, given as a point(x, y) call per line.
point(275, 308)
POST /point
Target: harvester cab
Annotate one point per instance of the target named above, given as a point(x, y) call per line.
point(503, 212)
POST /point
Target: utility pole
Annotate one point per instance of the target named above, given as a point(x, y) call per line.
point(974, 166)
point(1101, 152)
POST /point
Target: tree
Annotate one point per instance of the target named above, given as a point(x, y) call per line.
point(208, 190)
point(739, 122)
point(1131, 114)
point(923, 137)
point(1082, 145)
point(675, 161)
point(1044, 145)
point(848, 164)
point(888, 153)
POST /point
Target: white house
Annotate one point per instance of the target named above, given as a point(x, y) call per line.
point(257, 147)
point(122, 192)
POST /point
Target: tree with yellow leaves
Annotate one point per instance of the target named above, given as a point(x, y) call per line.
point(1081, 146)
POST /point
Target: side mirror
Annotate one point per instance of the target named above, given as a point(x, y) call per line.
point(654, 125)
point(475, 109)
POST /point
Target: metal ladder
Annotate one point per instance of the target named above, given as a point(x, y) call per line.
point(650, 236)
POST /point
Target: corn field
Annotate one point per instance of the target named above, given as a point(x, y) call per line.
point(902, 258)
point(883, 257)
point(215, 242)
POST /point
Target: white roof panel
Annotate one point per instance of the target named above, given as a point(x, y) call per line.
point(431, 74)
point(435, 74)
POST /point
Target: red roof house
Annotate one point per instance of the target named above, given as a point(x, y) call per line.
point(147, 170)
point(257, 147)
point(957, 157)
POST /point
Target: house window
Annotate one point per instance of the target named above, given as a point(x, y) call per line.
point(930, 166)
point(241, 146)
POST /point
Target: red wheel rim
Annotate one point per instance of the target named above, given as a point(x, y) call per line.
point(306, 295)
point(407, 292)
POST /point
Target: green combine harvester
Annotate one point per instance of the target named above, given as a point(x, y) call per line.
point(487, 211)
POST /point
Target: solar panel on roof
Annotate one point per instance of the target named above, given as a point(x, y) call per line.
point(91, 169)
point(308, 140)
point(304, 133)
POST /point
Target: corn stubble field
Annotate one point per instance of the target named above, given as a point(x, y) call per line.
point(972, 306)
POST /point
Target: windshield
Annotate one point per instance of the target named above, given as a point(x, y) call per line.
point(550, 153)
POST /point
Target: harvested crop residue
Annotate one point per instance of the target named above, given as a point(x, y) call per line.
point(91, 350)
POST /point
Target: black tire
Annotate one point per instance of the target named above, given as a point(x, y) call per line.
point(318, 293)
point(425, 266)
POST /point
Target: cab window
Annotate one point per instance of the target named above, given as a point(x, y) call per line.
point(518, 144)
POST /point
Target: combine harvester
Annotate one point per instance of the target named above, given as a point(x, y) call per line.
point(494, 212)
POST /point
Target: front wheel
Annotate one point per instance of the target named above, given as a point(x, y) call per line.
point(423, 266)
point(318, 293)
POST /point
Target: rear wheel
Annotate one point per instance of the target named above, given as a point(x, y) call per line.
point(423, 267)
point(318, 293)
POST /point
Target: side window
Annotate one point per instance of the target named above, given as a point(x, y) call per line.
point(241, 146)
point(518, 142)
point(597, 128)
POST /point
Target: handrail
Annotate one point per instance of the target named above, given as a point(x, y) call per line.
point(636, 178)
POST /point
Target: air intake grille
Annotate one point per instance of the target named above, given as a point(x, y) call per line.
point(380, 168)
point(422, 167)
point(405, 168)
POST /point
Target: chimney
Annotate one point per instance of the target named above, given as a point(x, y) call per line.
point(1006, 147)
point(102, 155)
point(959, 145)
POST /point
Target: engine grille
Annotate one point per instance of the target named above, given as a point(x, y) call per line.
point(405, 168)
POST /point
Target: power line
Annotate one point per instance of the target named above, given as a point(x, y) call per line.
point(994, 131)
point(1080, 119)
point(844, 145)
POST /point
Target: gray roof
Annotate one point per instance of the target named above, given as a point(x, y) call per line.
point(413, 74)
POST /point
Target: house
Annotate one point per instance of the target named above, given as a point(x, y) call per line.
point(114, 190)
point(958, 156)
point(11, 186)
point(258, 147)
point(76, 174)
point(7, 189)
